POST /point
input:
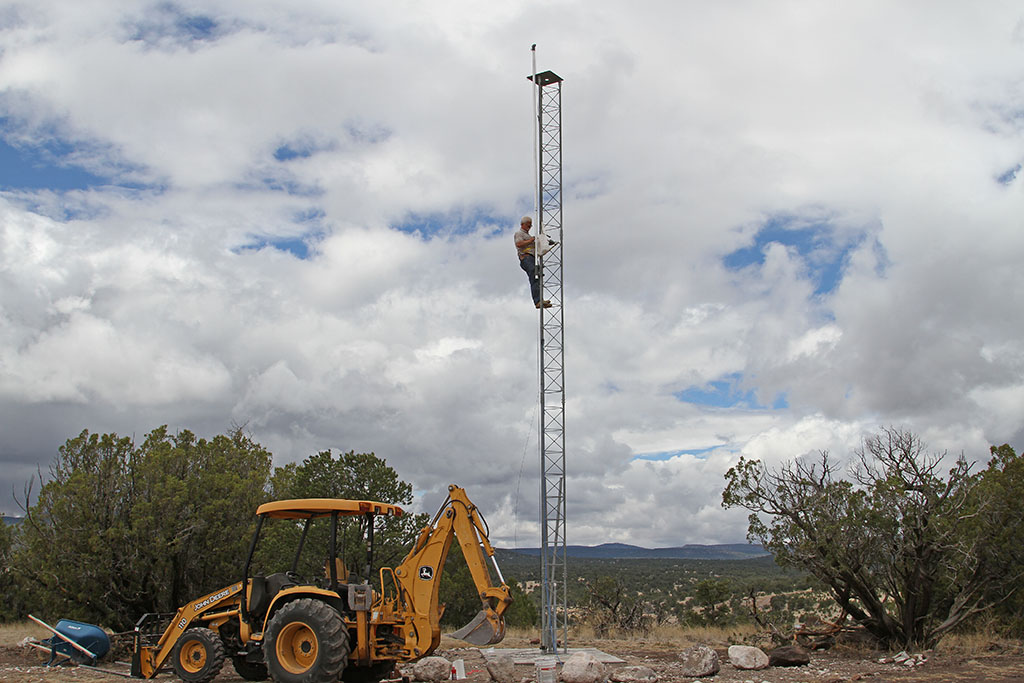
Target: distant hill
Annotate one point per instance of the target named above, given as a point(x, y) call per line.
point(623, 551)
point(11, 520)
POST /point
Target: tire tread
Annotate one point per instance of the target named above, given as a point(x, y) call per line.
point(333, 648)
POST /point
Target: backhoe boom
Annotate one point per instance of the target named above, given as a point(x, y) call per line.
point(419, 575)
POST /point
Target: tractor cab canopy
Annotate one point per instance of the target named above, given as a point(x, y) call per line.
point(311, 508)
point(309, 529)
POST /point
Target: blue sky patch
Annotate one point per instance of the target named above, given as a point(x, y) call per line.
point(297, 246)
point(197, 27)
point(721, 393)
point(173, 24)
point(301, 148)
point(287, 152)
point(697, 453)
point(313, 215)
point(43, 157)
point(304, 147)
point(431, 225)
point(728, 392)
point(823, 253)
point(37, 169)
point(1007, 177)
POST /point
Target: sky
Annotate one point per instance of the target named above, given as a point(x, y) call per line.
point(786, 226)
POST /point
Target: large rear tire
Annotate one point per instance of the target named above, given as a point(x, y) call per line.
point(306, 642)
point(198, 656)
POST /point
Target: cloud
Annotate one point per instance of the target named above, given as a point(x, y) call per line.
point(785, 227)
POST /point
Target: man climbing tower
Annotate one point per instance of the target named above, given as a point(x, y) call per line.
point(527, 259)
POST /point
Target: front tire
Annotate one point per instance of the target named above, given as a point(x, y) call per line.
point(306, 642)
point(198, 656)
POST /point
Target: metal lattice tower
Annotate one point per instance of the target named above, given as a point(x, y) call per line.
point(554, 572)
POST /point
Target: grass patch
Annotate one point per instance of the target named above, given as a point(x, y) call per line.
point(13, 633)
point(977, 644)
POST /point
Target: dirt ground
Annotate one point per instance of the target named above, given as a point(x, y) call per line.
point(1003, 665)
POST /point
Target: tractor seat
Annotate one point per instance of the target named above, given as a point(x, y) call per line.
point(340, 571)
point(263, 589)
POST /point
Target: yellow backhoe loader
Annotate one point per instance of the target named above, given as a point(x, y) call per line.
point(338, 627)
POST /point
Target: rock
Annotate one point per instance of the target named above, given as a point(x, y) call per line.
point(634, 674)
point(746, 657)
point(582, 667)
point(789, 655)
point(699, 661)
point(502, 669)
point(905, 658)
point(915, 660)
point(432, 669)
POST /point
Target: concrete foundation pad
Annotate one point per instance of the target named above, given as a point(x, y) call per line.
point(530, 656)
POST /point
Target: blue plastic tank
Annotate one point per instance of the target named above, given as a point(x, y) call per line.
point(92, 638)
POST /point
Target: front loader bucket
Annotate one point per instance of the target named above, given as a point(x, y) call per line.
point(487, 628)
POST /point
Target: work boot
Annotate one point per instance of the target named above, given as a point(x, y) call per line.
point(547, 304)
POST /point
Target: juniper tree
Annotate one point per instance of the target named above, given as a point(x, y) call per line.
point(907, 550)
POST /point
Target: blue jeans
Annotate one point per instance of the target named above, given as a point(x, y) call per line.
point(529, 264)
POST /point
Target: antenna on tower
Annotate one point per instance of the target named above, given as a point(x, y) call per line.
point(551, 339)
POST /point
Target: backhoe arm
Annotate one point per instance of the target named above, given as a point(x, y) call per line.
point(419, 575)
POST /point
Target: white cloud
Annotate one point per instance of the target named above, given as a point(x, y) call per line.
point(687, 127)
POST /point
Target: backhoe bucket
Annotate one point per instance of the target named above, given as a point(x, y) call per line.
point(487, 628)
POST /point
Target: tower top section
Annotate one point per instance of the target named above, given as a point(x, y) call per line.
point(546, 78)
